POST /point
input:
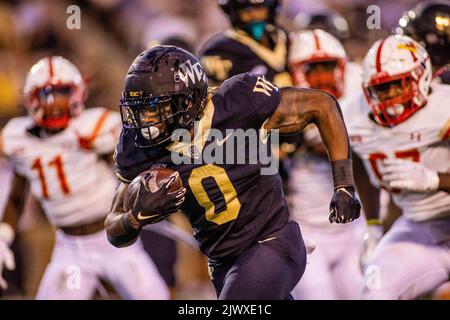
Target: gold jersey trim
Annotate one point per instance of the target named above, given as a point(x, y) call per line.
point(201, 134)
point(275, 59)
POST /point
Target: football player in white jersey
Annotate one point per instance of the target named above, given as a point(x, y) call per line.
point(318, 60)
point(399, 130)
point(57, 150)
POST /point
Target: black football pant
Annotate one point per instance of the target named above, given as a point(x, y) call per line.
point(267, 270)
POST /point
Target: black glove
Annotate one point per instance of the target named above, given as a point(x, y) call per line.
point(151, 207)
point(344, 206)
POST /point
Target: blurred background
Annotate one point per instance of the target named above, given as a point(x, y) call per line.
point(112, 33)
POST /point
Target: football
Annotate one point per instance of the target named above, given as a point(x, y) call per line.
point(153, 179)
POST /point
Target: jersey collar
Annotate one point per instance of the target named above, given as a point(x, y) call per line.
point(275, 58)
point(200, 138)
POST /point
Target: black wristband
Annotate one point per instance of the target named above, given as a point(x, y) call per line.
point(342, 173)
point(130, 236)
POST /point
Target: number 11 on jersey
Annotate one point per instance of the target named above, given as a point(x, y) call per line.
point(57, 163)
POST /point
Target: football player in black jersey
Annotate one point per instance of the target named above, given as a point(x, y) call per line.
point(429, 24)
point(254, 43)
point(239, 215)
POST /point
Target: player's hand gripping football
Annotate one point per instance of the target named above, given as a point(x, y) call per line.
point(345, 206)
point(6, 255)
point(153, 206)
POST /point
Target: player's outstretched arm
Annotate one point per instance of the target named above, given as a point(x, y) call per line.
point(121, 228)
point(16, 200)
point(300, 107)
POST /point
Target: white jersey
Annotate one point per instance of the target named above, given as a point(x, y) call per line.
point(311, 178)
point(423, 138)
point(66, 175)
point(353, 80)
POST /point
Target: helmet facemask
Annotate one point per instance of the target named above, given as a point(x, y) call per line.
point(54, 92)
point(156, 118)
point(394, 99)
point(53, 106)
point(324, 74)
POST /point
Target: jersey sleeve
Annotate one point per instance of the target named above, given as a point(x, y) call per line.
point(100, 131)
point(122, 157)
point(264, 95)
point(250, 99)
point(6, 137)
point(13, 136)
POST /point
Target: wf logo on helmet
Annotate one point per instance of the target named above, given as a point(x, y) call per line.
point(193, 73)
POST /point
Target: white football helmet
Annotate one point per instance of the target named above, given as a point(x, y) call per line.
point(396, 79)
point(48, 76)
point(317, 60)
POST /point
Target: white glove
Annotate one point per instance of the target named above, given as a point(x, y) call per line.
point(371, 238)
point(6, 255)
point(409, 176)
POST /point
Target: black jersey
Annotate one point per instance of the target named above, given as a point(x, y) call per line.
point(229, 205)
point(234, 52)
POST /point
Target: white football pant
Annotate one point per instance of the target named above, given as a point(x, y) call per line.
point(412, 259)
point(332, 270)
point(79, 263)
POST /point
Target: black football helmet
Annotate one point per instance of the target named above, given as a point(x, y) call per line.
point(429, 24)
point(232, 7)
point(165, 89)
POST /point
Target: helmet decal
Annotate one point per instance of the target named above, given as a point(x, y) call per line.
point(193, 73)
point(378, 61)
